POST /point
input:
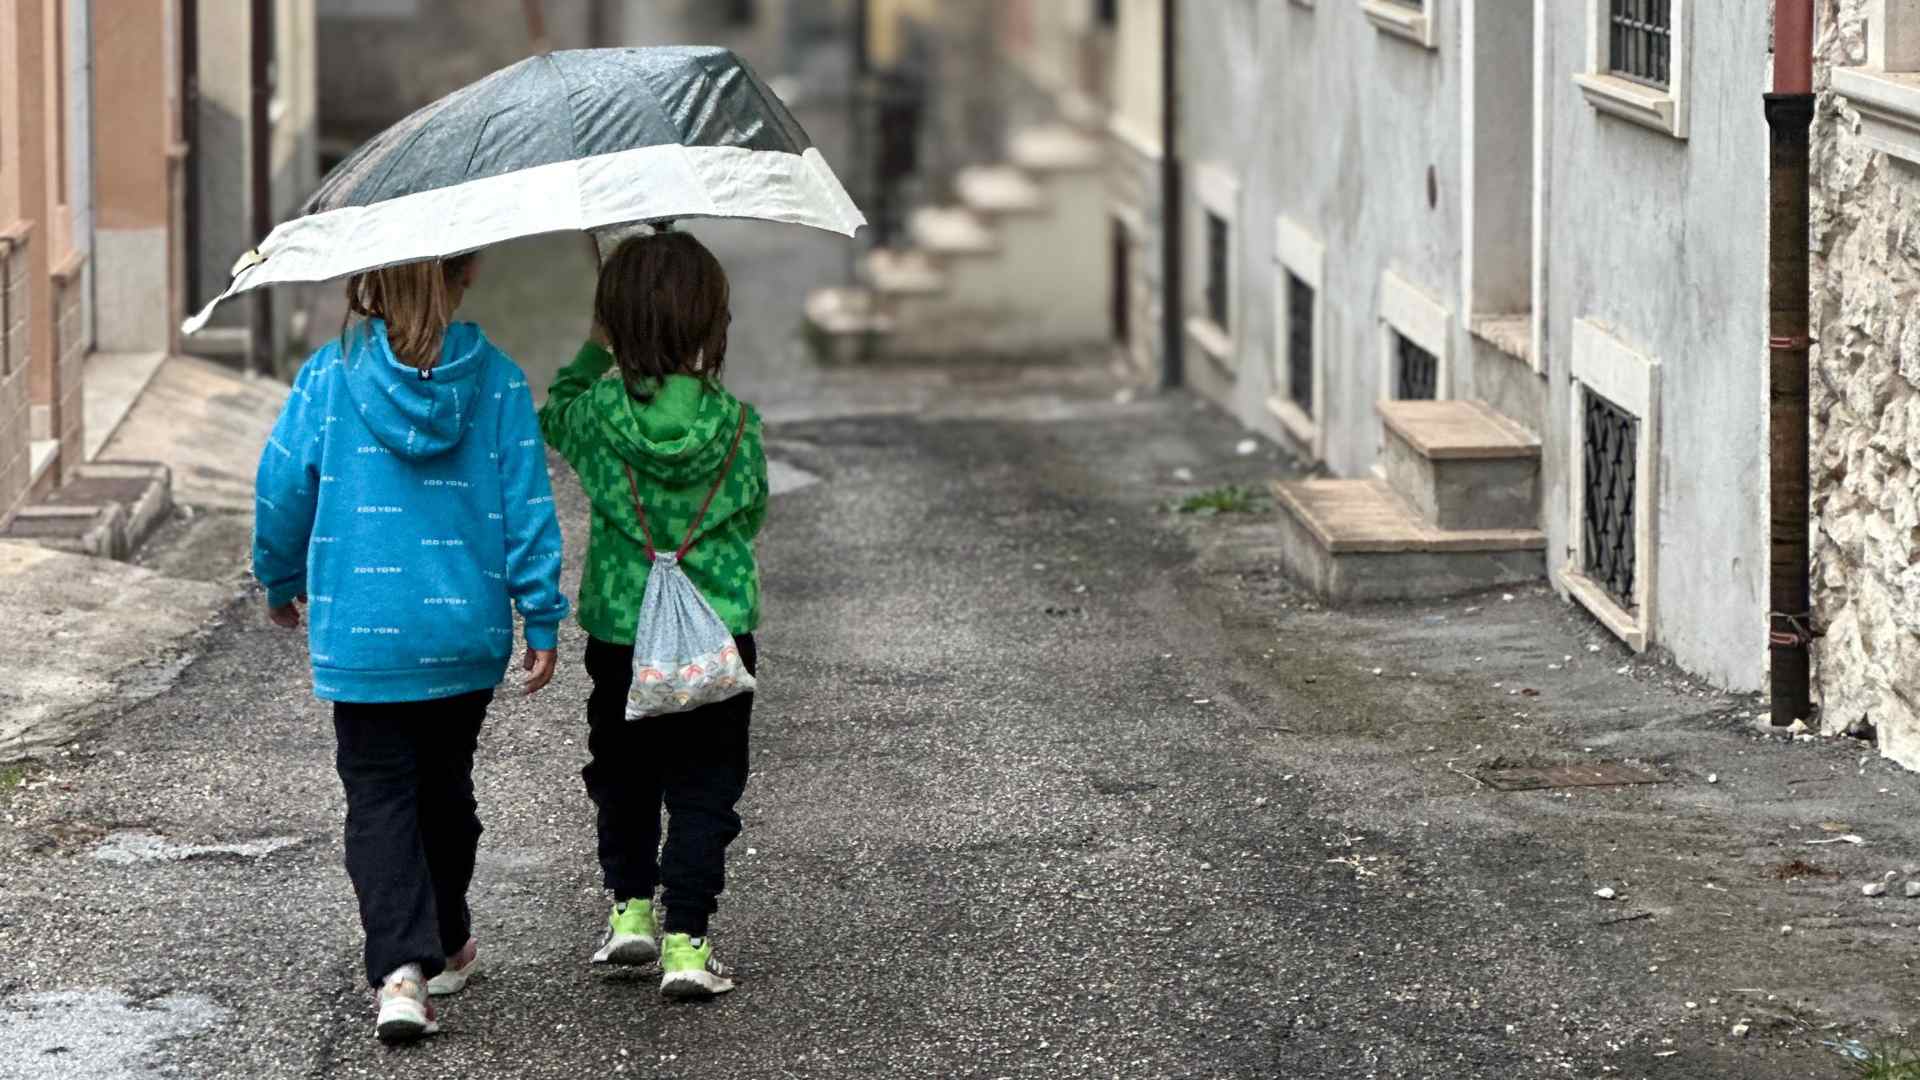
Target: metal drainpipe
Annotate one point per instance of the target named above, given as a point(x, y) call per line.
point(1172, 216)
point(260, 165)
point(190, 134)
point(1790, 118)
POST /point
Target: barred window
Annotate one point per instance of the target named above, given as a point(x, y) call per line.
point(1300, 343)
point(1611, 451)
point(1418, 374)
point(1640, 41)
point(1217, 253)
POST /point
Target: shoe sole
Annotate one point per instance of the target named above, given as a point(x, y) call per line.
point(628, 952)
point(405, 1026)
point(694, 985)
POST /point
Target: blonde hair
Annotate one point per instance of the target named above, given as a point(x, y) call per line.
point(415, 301)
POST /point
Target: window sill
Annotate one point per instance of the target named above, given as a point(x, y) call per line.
point(1140, 142)
point(15, 235)
point(1296, 422)
point(1215, 342)
point(1621, 622)
point(1629, 100)
point(41, 454)
point(1889, 108)
point(1402, 21)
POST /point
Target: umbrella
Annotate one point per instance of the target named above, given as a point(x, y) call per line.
point(574, 140)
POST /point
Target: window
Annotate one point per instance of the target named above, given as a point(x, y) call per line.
point(1640, 41)
point(1106, 14)
point(6, 307)
point(1416, 334)
point(1299, 349)
point(1883, 90)
point(1610, 462)
point(1298, 379)
point(1417, 371)
point(1613, 452)
point(1637, 62)
point(1411, 20)
point(1218, 237)
point(1212, 266)
point(1122, 284)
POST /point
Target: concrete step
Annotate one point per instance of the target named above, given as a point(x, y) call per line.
point(106, 509)
point(999, 191)
point(1055, 148)
point(947, 232)
point(904, 272)
point(1462, 465)
point(1356, 540)
point(843, 323)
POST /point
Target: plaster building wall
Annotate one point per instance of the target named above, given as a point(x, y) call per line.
point(1314, 114)
point(1662, 242)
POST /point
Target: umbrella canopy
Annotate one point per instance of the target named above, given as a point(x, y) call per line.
point(568, 141)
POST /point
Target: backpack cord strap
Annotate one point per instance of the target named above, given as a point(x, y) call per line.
point(726, 466)
point(640, 510)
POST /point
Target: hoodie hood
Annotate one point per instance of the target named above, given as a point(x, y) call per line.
point(679, 438)
point(412, 416)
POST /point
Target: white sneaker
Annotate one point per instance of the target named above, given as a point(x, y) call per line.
point(405, 1013)
point(632, 935)
point(460, 968)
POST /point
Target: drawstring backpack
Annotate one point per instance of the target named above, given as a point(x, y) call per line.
point(683, 654)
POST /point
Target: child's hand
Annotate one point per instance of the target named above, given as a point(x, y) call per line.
point(287, 615)
point(540, 664)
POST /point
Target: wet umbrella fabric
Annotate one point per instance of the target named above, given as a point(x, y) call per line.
point(568, 141)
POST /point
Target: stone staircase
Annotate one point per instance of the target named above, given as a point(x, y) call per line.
point(1457, 510)
point(1016, 265)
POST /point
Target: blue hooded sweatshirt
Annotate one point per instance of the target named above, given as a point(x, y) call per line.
point(411, 511)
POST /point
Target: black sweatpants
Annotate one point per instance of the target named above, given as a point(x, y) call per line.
point(693, 763)
point(412, 824)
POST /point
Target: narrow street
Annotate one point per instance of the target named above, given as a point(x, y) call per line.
point(1047, 782)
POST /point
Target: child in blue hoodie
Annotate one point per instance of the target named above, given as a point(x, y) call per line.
point(404, 496)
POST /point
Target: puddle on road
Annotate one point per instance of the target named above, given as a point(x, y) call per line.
point(136, 847)
point(782, 477)
point(98, 1034)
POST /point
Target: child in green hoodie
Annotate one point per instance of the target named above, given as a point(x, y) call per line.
point(657, 435)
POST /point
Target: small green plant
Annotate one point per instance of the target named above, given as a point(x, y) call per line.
point(1890, 1062)
point(1229, 499)
point(10, 777)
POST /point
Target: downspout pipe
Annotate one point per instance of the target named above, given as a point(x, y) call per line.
point(1789, 110)
point(260, 171)
point(1173, 294)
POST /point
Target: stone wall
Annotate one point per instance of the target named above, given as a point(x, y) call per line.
point(1866, 405)
point(14, 428)
point(70, 345)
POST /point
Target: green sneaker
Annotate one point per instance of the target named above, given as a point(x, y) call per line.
point(688, 969)
point(632, 935)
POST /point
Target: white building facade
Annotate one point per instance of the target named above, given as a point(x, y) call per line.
point(1557, 209)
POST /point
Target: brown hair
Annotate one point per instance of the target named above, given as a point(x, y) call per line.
point(413, 298)
point(662, 301)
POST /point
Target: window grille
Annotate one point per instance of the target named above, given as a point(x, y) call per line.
point(1611, 454)
point(1640, 40)
point(1419, 374)
point(1300, 343)
point(6, 308)
point(1217, 270)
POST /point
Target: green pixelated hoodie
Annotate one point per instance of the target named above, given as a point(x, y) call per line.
point(675, 444)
